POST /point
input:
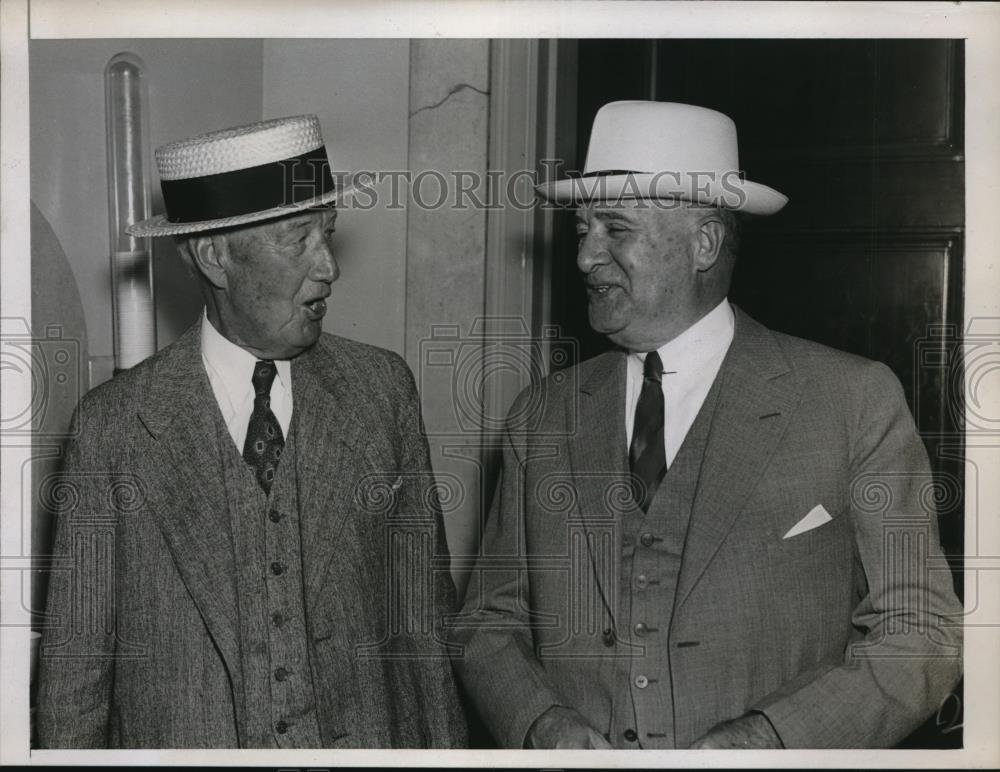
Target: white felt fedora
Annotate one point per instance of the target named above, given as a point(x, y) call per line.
point(241, 175)
point(664, 150)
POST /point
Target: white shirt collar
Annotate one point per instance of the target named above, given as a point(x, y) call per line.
point(691, 362)
point(230, 368)
point(700, 344)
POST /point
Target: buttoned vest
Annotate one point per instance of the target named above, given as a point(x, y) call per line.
point(279, 692)
point(651, 548)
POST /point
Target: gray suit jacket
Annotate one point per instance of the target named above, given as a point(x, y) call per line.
point(142, 647)
point(847, 635)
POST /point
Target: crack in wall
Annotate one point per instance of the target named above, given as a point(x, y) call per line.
point(454, 90)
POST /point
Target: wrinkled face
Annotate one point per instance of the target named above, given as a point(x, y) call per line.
point(639, 270)
point(278, 278)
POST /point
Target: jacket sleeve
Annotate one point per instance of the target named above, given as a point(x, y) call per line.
point(495, 657)
point(445, 725)
point(897, 675)
point(76, 664)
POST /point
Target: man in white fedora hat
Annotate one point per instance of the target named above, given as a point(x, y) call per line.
point(716, 535)
point(254, 552)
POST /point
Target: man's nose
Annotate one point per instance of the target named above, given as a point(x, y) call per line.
point(591, 253)
point(326, 268)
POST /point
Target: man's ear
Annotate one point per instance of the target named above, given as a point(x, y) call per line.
point(709, 238)
point(209, 254)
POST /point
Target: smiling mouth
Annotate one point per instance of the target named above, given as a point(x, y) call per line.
point(599, 289)
point(316, 309)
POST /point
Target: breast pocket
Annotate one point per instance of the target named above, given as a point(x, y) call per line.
point(800, 507)
point(812, 536)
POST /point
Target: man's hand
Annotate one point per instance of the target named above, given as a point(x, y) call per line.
point(563, 728)
point(753, 730)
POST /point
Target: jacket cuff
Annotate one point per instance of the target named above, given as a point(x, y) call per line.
point(774, 729)
point(520, 726)
point(788, 720)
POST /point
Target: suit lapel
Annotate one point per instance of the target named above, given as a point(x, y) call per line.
point(192, 513)
point(598, 456)
point(758, 393)
point(331, 446)
point(599, 464)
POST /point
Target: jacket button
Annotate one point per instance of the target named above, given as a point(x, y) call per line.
point(277, 568)
point(630, 735)
point(281, 727)
point(641, 681)
point(277, 619)
point(280, 674)
point(646, 540)
point(641, 582)
point(275, 516)
point(641, 629)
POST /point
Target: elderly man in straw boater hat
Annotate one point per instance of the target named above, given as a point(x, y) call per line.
point(744, 518)
point(244, 501)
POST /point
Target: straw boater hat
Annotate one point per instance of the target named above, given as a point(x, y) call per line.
point(241, 175)
point(664, 150)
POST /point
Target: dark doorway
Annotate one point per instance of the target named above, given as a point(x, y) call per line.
point(866, 139)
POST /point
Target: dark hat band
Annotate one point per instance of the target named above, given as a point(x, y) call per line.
point(286, 182)
point(625, 172)
point(610, 173)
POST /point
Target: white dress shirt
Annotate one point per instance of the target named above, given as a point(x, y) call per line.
point(690, 363)
point(230, 369)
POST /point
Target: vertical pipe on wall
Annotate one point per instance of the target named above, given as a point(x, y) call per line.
point(133, 313)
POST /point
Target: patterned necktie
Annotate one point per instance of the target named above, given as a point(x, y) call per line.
point(646, 456)
point(264, 442)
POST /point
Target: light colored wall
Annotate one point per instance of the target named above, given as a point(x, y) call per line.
point(360, 91)
point(194, 86)
point(358, 88)
point(446, 270)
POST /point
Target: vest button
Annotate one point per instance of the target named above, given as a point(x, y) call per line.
point(274, 515)
point(280, 674)
point(281, 727)
point(641, 681)
point(641, 582)
point(277, 568)
point(630, 735)
point(646, 540)
point(641, 628)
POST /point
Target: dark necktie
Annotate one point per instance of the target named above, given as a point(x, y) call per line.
point(646, 456)
point(264, 442)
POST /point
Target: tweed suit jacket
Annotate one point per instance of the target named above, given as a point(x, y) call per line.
point(142, 647)
point(846, 635)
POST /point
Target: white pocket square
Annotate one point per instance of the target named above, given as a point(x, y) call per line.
point(816, 517)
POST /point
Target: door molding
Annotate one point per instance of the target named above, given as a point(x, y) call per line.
point(529, 109)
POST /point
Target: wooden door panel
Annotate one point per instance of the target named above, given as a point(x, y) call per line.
point(828, 98)
point(848, 195)
point(878, 295)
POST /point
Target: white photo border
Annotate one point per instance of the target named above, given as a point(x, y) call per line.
point(978, 24)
